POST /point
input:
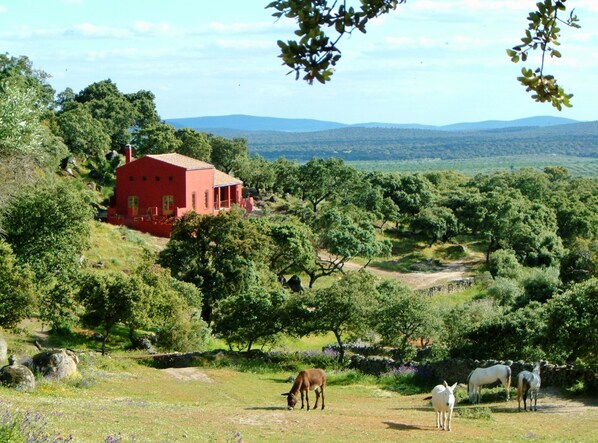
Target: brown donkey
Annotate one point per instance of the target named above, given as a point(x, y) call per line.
point(314, 379)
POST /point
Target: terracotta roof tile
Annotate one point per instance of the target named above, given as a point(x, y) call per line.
point(222, 179)
point(182, 161)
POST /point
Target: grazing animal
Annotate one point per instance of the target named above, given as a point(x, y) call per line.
point(483, 376)
point(443, 401)
point(528, 382)
point(308, 379)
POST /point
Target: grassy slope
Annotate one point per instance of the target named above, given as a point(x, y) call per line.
point(119, 248)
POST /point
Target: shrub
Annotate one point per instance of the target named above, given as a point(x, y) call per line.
point(504, 263)
point(505, 290)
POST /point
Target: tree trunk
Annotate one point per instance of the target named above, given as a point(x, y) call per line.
point(341, 347)
point(490, 245)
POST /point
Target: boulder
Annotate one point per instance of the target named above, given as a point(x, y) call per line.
point(55, 364)
point(17, 376)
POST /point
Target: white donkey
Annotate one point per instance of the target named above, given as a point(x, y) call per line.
point(443, 401)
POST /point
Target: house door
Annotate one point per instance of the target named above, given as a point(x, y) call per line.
point(133, 205)
point(167, 204)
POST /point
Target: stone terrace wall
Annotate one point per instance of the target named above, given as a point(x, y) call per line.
point(454, 370)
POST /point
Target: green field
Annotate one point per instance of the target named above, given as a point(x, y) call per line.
point(578, 166)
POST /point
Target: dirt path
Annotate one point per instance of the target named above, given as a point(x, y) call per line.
point(454, 270)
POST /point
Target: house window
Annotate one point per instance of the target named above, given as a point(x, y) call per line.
point(170, 178)
point(130, 178)
point(205, 199)
point(157, 178)
point(167, 204)
point(133, 204)
point(193, 201)
point(144, 178)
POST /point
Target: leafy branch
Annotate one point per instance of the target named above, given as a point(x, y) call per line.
point(315, 53)
point(543, 33)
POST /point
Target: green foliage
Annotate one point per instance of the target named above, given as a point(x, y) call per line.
point(403, 316)
point(504, 263)
point(315, 53)
point(254, 317)
point(342, 234)
point(344, 308)
point(516, 336)
point(84, 135)
point(505, 291)
point(110, 107)
point(48, 227)
point(436, 224)
point(257, 174)
point(228, 155)
point(290, 248)
point(572, 323)
point(194, 144)
point(540, 285)
point(216, 254)
point(543, 33)
point(17, 289)
point(109, 298)
point(580, 262)
point(320, 179)
point(463, 319)
point(157, 138)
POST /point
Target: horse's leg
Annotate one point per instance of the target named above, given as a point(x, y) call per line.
point(525, 400)
point(535, 401)
point(302, 404)
point(450, 418)
point(507, 384)
point(307, 398)
point(317, 391)
point(322, 388)
point(438, 420)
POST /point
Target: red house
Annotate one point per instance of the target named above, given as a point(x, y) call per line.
point(153, 190)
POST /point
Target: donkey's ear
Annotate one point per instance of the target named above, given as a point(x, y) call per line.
point(445, 384)
point(454, 386)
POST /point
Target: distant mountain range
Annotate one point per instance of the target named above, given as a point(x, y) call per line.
point(303, 139)
point(216, 124)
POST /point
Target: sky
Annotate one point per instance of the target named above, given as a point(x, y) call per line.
point(430, 62)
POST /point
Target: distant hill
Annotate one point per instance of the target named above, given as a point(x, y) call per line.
point(252, 123)
point(221, 125)
point(533, 136)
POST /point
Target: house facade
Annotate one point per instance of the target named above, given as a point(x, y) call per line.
point(152, 191)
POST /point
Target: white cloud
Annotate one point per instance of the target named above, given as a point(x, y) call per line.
point(240, 28)
point(97, 31)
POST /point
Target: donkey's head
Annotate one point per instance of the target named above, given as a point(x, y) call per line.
point(449, 394)
point(291, 400)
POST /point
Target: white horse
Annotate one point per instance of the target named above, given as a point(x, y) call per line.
point(528, 382)
point(443, 401)
point(484, 376)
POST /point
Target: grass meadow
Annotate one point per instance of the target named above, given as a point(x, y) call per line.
point(117, 399)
